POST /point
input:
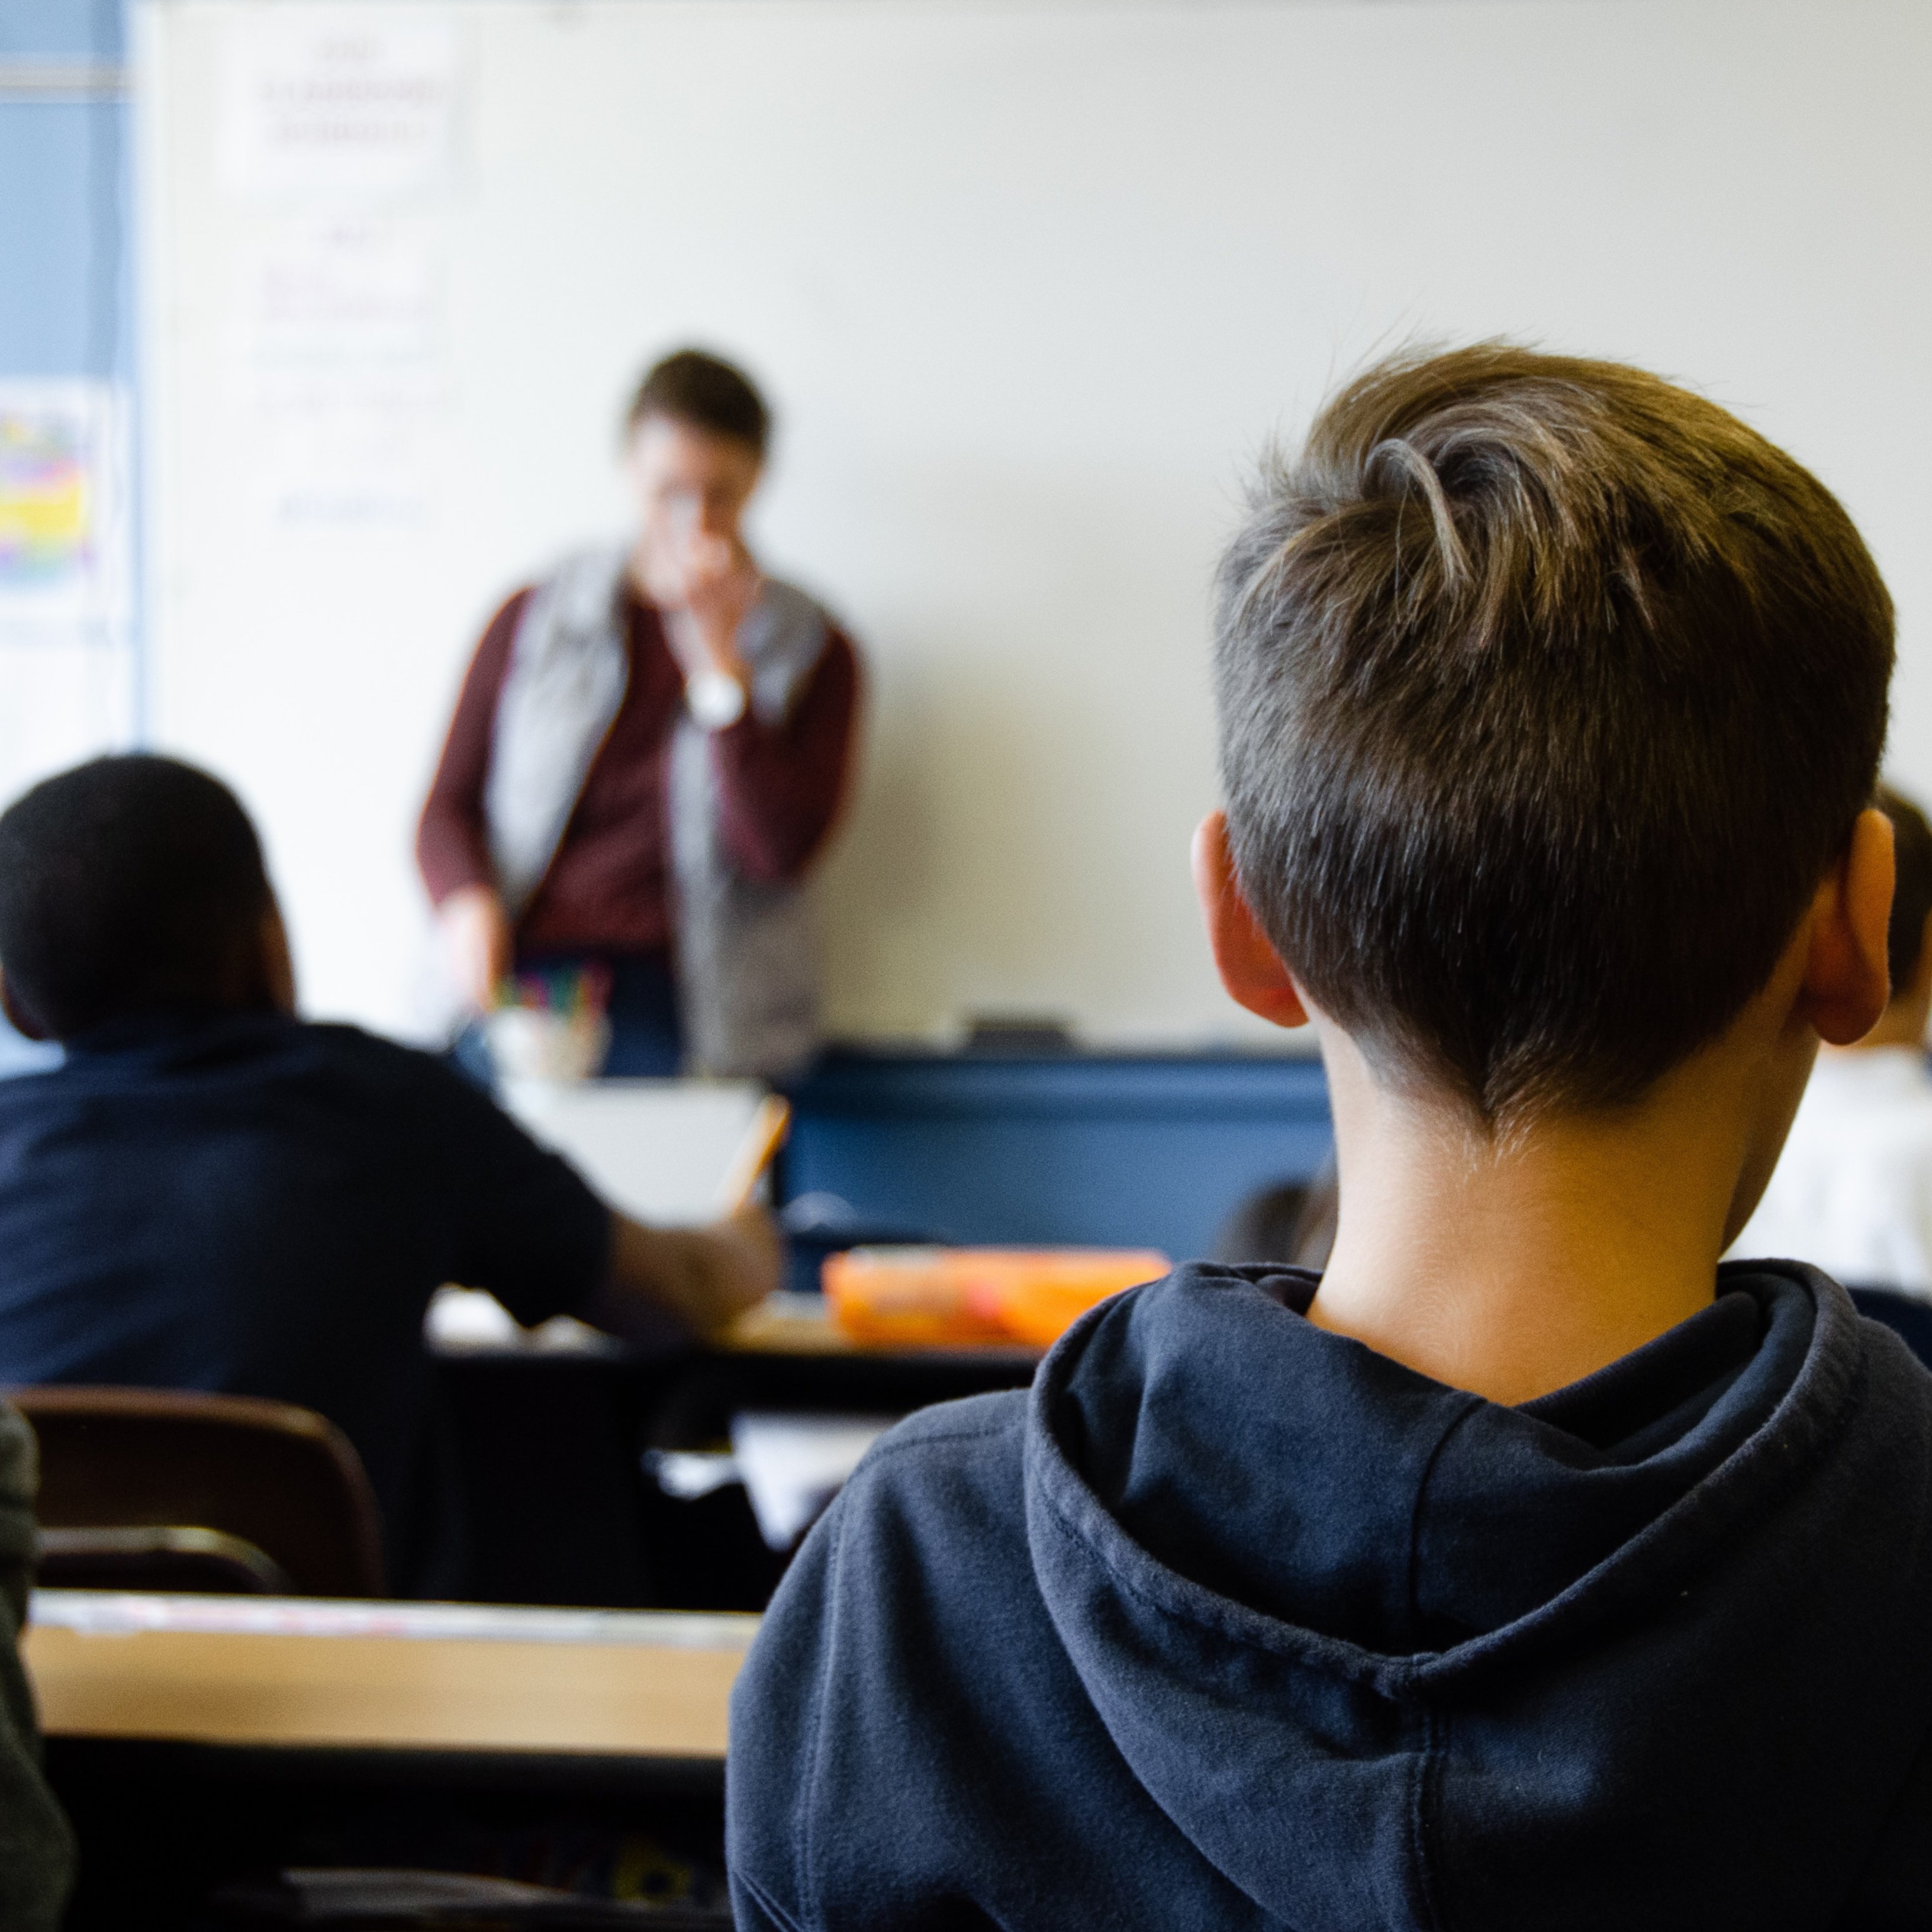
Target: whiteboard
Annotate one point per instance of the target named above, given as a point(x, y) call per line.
point(1029, 285)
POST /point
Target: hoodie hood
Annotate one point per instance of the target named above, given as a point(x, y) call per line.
point(1389, 1654)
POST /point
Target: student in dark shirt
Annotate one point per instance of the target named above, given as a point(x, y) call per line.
point(210, 1194)
point(1527, 1567)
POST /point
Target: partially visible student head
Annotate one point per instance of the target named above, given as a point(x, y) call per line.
point(695, 438)
point(1912, 891)
point(1549, 694)
point(133, 885)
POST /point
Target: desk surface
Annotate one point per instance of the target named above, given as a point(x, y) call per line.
point(782, 1324)
point(294, 1672)
point(801, 1324)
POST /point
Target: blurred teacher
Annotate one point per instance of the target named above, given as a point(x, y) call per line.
point(649, 748)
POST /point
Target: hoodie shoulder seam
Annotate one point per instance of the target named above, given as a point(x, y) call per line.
point(1205, 1617)
point(1061, 1492)
point(888, 1447)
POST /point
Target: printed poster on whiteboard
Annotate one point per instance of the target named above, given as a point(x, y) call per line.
point(339, 133)
point(342, 101)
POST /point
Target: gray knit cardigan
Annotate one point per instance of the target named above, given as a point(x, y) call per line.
point(747, 952)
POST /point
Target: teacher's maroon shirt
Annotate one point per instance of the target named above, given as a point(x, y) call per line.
point(608, 888)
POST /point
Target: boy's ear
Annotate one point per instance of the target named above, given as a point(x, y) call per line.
point(22, 1022)
point(1846, 987)
point(1250, 968)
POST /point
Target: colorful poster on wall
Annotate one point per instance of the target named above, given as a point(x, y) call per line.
point(63, 508)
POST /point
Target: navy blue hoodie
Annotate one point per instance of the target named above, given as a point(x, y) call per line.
point(1233, 1622)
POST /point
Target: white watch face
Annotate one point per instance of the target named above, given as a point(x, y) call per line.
point(715, 698)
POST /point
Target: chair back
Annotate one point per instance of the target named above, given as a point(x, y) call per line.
point(162, 1489)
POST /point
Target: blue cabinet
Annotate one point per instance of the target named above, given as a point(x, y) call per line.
point(1120, 1151)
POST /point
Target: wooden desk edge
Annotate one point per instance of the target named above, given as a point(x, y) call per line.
point(140, 1761)
point(406, 1694)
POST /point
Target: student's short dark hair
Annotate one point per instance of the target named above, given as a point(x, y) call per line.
point(1911, 895)
point(128, 885)
point(1548, 694)
point(705, 392)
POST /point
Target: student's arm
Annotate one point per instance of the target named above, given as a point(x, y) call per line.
point(702, 1278)
point(36, 1845)
point(782, 784)
point(530, 1230)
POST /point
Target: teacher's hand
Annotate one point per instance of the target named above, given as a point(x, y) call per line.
point(476, 943)
point(716, 584)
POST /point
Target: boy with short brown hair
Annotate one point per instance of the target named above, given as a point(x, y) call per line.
point(1525, 1568)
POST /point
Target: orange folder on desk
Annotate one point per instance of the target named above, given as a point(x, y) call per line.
point(952, 1297)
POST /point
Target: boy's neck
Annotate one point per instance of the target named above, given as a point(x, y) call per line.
point(1513, 1264)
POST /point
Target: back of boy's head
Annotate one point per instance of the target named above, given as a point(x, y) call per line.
point(128, 885)
point(1548, 694)
point(1912, 893)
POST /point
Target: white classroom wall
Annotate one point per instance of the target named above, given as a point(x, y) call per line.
point(1030, 284)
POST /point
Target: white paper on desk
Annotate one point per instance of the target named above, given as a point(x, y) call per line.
point(130, 1612)
point(793, 1465)
point(347, 1894)
point(660, 1149)
point(466, 1321)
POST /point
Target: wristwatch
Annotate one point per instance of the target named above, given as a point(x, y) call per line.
point(714, 697)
